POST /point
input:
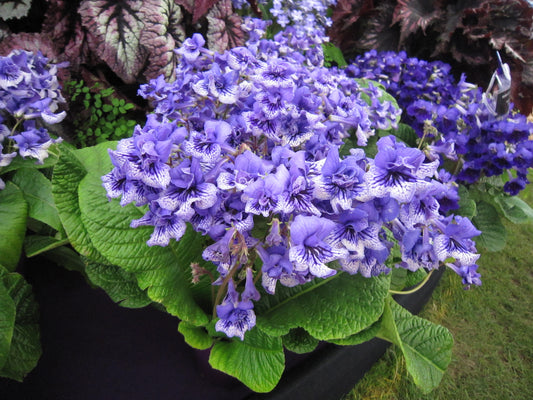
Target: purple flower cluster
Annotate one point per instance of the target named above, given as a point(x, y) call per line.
point(29, 98)
point(304, 17)
point(246, 146)
point(453, 117)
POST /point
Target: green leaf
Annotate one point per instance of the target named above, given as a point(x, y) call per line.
point(37, 244)
point(258, 361)
point(427, 347)
point(195, 336)
point(333, 55)
point(120, 286)
point(7, 322)
point(487, 220)
point(332, 308)
point(467, 205)
point(37, 191)
point(406, 134)
point(361, 337)
point(299, 341)
point(414, 278)
point(164, 271)
point(514, 209)
point(68, 173)
point(25, 348)
point(67, 258)
point(13, 214)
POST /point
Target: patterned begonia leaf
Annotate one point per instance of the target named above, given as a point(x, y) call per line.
point(258, 361)
point(332, 308)
point(415, 14)
point(10, 9)
point(134, 37)
point(224, 30)
point(114, 34)
point(25, 349)
point(161, 34)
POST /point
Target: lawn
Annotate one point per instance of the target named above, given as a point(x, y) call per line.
point(492, 327)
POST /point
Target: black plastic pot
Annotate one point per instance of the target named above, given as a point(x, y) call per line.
point(93, 349)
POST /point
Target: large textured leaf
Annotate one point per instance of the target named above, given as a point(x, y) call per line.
point(120, 286)
point(37, 191)
point(37, 244)
point(427, 347)
point(198, 8)
point(161, 34)
point(332, 308)
point(164, 271)
point(299, 341)
point(114, 28)
point(224, 30)
point(487, 220)
point(68, 173)
point(13, 214)
point(195, 336)
point(515, 209)
point(14, 9)
point(7, 322)
point(25, 348)
point(258, 361)
point(132, 34)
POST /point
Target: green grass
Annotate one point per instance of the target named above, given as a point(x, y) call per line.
point(492, 326)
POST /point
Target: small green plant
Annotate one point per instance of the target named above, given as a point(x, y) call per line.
point(102, 116)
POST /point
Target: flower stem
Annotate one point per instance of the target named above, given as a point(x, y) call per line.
point(416, 288)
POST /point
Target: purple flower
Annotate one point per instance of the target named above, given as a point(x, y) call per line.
point(10, 73)
point(417, 251)
point(262, 196)
point(33, 142)
point(468, 273)
point(209, 144)
point(236, 316)
point(187, 190)
point(166, 225)
point(309, 249)
point(192, 47)
point(340, 181)
point(398, 170)
point(456, 241)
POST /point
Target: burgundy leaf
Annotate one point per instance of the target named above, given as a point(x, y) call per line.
point(33, 42)
point(161, 34)
point(347, 12)
point(187, 4)
point(14, 9)
point(380, 34)
point(415, 14)
point(113, 28)
point(201, 7)
point(224, 27)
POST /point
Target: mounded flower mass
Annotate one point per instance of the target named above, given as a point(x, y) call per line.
point(247, 147)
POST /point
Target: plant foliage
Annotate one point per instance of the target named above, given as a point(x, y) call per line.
point(464, 33)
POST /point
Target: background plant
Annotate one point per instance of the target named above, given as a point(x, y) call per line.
point(464, 34)
point(99, 115)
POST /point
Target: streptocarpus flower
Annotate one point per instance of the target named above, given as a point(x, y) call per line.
point(310, 250)
point(236, 315)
